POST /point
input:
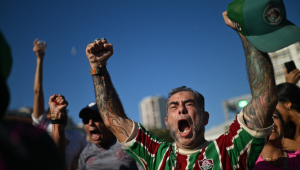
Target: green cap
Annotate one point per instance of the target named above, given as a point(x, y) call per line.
point(263, 23)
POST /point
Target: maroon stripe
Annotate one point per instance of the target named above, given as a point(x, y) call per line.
point(150, 144)
point(181, 162)
point(222, 143)
point(164, 160)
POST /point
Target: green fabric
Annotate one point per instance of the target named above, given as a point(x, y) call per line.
point(235, 14)
point(255, 21)
point(276, 40)
point(264, 23)
point(212, 152)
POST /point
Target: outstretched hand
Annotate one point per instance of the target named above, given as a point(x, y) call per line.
point(293, 76)
point(39, 48)
point(99, 52)
point(57, 105)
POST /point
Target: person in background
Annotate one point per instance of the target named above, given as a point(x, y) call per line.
point(22, 146)
point(292, 77)
point(74, 142)
point(273, 157)
point(288, 95)
point(103, 151)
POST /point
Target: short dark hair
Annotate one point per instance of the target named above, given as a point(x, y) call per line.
point(199, 96)
point(289, 92)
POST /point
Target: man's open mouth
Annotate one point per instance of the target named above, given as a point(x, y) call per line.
point(184, 127)
point(94, 135)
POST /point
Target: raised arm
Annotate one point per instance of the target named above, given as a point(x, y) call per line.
point(38, 101)
point(57, 105)
point(108, 102)
point(258, 113)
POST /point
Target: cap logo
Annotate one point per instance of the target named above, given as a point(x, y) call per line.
point(237, 26)
point(92, 104)
point(273, 15)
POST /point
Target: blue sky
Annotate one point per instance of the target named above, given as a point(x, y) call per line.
point(158, 45)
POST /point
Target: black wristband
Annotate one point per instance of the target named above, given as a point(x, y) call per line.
point(57, 121)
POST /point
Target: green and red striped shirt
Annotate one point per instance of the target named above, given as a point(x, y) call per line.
point(238, 148)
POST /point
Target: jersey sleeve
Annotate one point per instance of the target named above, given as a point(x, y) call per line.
point(242, 143)
point(145, 148)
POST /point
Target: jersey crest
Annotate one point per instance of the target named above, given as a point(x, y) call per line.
point(206, 164)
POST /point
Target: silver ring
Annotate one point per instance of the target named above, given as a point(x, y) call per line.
point(97, 39)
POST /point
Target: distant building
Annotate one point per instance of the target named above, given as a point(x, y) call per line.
point(281, 56)
point(153, 112)
point(22, 114)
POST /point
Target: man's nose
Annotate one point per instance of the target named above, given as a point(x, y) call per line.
point(182, 109)
point(91, 121)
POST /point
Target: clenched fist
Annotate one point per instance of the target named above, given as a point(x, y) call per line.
point(98, 52)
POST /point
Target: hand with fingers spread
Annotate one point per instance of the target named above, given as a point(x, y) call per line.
point(39, 48)
point(98, 52)
point(57, 105)
point(292, 77)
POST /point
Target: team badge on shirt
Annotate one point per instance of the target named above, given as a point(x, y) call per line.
point(206, 164)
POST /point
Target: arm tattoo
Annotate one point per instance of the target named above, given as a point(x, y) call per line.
point(108, 102)
point(262, 83)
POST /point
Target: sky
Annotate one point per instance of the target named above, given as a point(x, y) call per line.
point(158, 45)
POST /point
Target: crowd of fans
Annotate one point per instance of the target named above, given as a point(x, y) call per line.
point(264, 135)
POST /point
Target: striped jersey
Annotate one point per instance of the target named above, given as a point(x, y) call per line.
point(238, 148)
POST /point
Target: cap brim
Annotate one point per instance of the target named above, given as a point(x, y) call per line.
point(276, 40)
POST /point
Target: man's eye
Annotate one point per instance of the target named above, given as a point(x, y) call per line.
point(190, 104)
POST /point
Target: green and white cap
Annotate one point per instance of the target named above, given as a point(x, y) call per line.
point(263, 23)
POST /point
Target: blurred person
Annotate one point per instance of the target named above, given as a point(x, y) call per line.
point(57, 106)
point(289, 107)
point(273, 156)
point(103, 151)
point(75, 143)
point(22, 146)
point(186, 118)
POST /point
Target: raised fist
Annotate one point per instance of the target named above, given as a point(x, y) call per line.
point(57, 105)
point(39, 48)
point(98, 52)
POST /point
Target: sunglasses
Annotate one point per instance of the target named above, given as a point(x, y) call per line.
point(95, 118)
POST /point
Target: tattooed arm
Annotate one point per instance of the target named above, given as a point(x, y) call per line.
point(108, 102)
point(258, 113)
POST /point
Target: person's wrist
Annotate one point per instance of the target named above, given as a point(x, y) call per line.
point(96, 71)
point(57, 121)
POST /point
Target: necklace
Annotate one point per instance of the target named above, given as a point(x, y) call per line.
point(286, 166)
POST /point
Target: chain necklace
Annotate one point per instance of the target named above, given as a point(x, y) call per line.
point(286, 165)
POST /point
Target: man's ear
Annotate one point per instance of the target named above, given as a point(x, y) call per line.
point(205, 118)
point(166, 121)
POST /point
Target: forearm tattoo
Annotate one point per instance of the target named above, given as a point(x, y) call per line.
point(108, 102)
point(262, 83)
